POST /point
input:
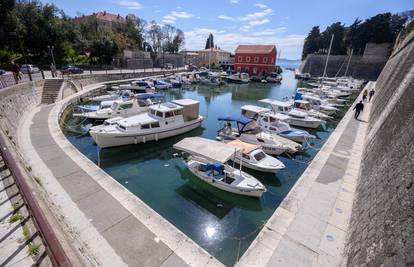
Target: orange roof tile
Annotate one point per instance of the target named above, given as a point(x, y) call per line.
point(260, 49)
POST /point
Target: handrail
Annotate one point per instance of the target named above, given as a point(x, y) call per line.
point(52, 245)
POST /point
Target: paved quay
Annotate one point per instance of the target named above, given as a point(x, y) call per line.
point(310, 226)
point(109, 225)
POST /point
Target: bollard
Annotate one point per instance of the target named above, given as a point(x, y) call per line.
point(43, 74)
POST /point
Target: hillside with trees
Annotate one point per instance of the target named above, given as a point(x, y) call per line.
point(33, 27)
point(382, 28)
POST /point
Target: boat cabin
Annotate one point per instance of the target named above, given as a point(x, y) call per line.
point(253, 112)
point(278, 106)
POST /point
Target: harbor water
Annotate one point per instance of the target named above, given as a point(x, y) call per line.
point(222, 223)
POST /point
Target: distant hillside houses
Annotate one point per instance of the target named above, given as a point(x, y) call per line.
point(104, 19)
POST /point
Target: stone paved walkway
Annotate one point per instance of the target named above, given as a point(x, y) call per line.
point(310, 226)
point(130, 239)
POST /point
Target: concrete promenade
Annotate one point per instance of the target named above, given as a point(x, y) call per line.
point(310, 227)
point(107, 224)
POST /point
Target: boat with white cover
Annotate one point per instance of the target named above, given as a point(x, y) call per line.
point(247, 131)
point(162, 120)
point(120, 94)
point(207, 160)
point(268, 122)
point(274, 77)
point(238, 78)
point(253, 157)
point(295, 117)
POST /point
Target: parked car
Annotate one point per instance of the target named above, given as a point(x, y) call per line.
point(28, 67)
point(2, 71)
point(71, 70)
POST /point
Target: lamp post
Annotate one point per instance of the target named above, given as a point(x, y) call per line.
point(51, 47)
point(88, 55)
point(24, 54)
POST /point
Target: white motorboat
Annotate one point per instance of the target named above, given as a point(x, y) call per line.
point(320, 104)
point(161, 84)
point(113, 96)
point(122, 108)
point(274, 77)
point(247, 131)
point(119, 108)
point(268, 122)
point(107, 122)
point(306, 107)
point(161, 121)
point(294, 117)
point(142, 84)
point(238, 78)
point(253, 157)
point(207, 160)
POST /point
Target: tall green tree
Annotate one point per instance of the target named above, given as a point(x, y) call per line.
point(210, 41)
point(311, 44)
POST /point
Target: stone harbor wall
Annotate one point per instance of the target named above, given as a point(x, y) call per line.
point(382, 224)
point(360, 67)
point(14, 102)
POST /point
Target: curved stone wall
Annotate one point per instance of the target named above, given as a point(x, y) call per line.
point(382, 223)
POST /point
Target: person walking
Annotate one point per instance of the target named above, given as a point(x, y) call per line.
point(16, 72)
point(358, 108)
point(371, 93)
point(53, 70)
point(364, 95)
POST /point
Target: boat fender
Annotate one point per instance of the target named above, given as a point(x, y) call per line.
point(156, 137)
point(135, 140)
point(144, 139)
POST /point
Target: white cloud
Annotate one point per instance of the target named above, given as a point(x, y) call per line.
point(234, 1)
point(181, 14)
point(130, 4)
point(257, 15)
point(226, 17)
point(253, 23)
point(173, 15)
point(260, 5)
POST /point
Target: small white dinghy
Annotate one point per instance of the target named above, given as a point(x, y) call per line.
point(208, 159)
point(253, 157)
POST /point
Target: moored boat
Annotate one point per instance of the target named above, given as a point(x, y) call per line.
point(207, 160)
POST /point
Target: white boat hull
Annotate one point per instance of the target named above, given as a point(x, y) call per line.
point(223, 186)
point(303, 123)
point(109, 139)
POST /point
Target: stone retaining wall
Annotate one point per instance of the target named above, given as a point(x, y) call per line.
point(15, 101)
point(367, 68)
point(382, 223)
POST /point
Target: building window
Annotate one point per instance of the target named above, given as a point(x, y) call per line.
point(247, 59)
point(265, 59)
point(256, 59)
point(240, 59)
point(255, 70)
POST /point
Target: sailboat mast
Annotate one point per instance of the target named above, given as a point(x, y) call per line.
point(349, 61)
point(327, 58)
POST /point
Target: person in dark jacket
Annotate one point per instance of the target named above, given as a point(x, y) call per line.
point(358, 108)
point(16, 71)
point(371, 94)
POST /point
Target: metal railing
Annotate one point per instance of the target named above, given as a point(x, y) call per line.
point(52, 245)
point(8, 79)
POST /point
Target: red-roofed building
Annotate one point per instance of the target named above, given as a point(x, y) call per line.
point(255, 59)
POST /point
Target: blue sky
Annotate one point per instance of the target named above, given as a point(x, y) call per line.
point(233, 22)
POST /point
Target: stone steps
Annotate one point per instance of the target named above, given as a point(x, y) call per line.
point(51, 90)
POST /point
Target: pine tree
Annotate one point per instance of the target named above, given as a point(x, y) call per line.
point(210, 41)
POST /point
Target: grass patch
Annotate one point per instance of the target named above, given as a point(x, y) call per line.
point(15, 205)
point(37, 179)
point(33, 250)
point(16, 217)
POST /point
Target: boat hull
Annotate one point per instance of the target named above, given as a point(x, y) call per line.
point(304, 124)
point(109, 139)
point(257, 167)
point(257, 193)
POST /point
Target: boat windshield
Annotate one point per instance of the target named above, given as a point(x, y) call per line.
point(259, 156)
point(114, 106)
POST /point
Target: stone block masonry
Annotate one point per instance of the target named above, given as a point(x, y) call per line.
point(382, 223)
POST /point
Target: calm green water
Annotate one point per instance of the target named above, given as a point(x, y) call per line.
point(222, 223)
